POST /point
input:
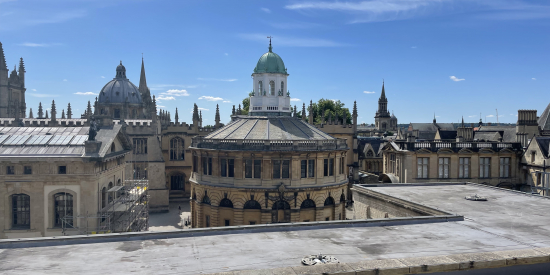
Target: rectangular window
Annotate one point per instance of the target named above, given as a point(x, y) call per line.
point(276, 169)
point(303, 168)
point(117, 113)
point(21, 211)
point(210, 166)
point(223, 167)
point(140, 171)
point(140, 146)
point(484, 167)
point(422, 165)
point(252, 223)
point(227, 222)
point(27, 170)
point(286, 169)
point(257, 168)
point(204, 165)
point(464, 168)
point(311, 168)
point(325, 167)
point(195, 163)
point(231, 168)
point(62, 169)
point(533, 157)
point(330, 167)
point(248, 168)
point(504, 167)
point(207, 220)
point(10, 170)
point(443, 168)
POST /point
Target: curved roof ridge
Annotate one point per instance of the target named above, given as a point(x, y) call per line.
point(319, 132)
point(308, 136)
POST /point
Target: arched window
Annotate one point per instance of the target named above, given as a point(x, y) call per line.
point(63, 207)
point(308, 203)
point(103, 197)
point(280, 212)
point(283, 87)
point(252, 204)
point(176, 149)
point(206, 199)
point(272, 87)
point(260, 88)
point(225, 202)
point(370, 154)
point(177, 182)
point(329, 201)
point(342, 197)
point(110, 195)
point(21, 211)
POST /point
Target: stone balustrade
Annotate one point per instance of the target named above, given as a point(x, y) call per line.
point(269, 145)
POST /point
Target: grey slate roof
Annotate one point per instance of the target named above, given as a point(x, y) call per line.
point(269, 128)
point(431, 127)
point(377, 144)
point(544, 144)
point(447, 134)
point(508, 133)
point(544, 119)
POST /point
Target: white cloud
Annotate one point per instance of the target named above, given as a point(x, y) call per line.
point(203, 109)
point(454, 78)
point(29, 44)
point(295, 99)
point(34, 90)
point(367, 92)
point(102, 77)
point(157, 87)
point(226, 54)
point(413, 47)
point(491, 116)
point(294, 41)
point(266, 10)
point(218, 79)
point(162, 97)
point(175, 92)
point(472, 116)
point(533, 78)
point(43, 95)
point(65, 80)
point(85, 93)
point(211, 98)
point(161, 106)
point(226, 101)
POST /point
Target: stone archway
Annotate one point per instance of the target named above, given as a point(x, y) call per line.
point(280, 212)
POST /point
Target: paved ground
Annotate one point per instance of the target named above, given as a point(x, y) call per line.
point(171, 220)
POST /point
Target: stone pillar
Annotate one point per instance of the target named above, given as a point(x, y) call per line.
point(238, 217)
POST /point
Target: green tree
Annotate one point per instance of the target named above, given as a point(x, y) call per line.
point(246, 104)
point(330, 108)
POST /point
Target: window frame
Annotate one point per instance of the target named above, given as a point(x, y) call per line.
point(464, 168)
point(62, 169)
point(16, 211)
point(176, 151)
point(27, 170)
point(57, 217)
point(423, 167)
point(444, 168)
point(10, 170)
point(505, 168)
point(139, 146)
point(485, 167)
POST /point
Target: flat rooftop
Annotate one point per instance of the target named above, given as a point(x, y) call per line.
point(508, 226)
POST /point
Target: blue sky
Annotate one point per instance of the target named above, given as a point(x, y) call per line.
point(452, 57)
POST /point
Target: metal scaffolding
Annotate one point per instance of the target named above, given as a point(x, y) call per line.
point(126, 210)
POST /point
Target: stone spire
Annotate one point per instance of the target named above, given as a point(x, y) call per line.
point(354, 115)
point(435, 121)
point(200, 117)
point(310, 118)
point(89, 110)
point(142, 79)
point(40, 113)
point(462, 121)
point(217, 117)
point(69, 111)
point(239, 110)
point(176, 117)
point(196, 117)
point(63, 113)
point(22, 72)
point(54, 112)
point(382, 104)
point(304, 111)
point(233, 112)
point(295, 113)
point(154, 109)
point(30, 113)
point(47, 117)
point(3, 65)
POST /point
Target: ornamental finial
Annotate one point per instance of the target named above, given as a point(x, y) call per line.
point(270, 48)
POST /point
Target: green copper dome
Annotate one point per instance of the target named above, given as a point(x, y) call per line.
point(270, 62)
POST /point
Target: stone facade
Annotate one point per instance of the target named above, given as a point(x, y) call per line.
point(12, 89)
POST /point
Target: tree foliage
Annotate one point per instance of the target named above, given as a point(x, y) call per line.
point(328, 106)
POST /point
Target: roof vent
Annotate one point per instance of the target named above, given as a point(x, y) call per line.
point(476, 197)
point(319, 260)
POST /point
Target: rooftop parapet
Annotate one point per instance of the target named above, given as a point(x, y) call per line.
point(269, 145)
point(435, 146)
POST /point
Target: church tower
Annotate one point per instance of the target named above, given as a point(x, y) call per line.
point(270, 96)
point(12, 89)
point(382, 117)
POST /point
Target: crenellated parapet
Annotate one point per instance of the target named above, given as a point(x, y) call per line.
point(44, 122)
